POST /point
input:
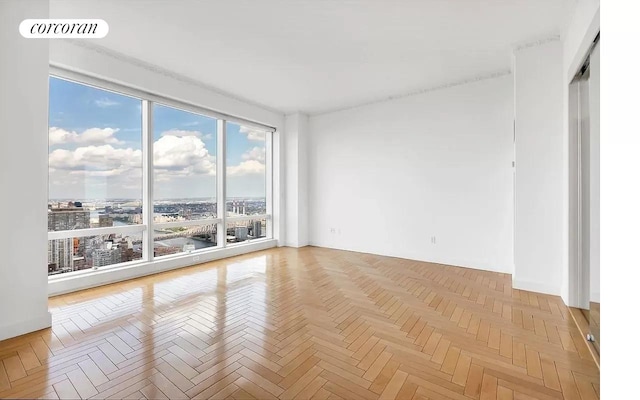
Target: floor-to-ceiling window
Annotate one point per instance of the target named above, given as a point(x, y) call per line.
point(184, 181)
point(246, 189)
point(136, 178)
point(95, 177)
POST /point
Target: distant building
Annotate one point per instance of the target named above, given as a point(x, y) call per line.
point(164, 251)
point(60, 254)
point(61, 251)
point(256, 229)
point(129, 254)
point(104, 220)
point(79, 262)
point(241, 233)
point(64, 219)
point(107, 256)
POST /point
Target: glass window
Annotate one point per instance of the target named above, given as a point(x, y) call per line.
point(95, 157)
point(184, 163)
point(183, 239)
point(96, 180)
point(245, 181)
point(78, 253)
point(241, 231)
point(246, 171)
point(95, 168)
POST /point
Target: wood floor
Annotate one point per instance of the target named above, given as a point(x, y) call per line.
point(305, 324)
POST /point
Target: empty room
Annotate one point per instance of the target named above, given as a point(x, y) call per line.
point(311, 200)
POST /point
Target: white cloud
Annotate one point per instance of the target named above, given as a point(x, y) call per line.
point(97, 161)
point(95, 172)
point(256, 153)
point(106, 102)
point(176, 156)
point(182, 133)
point(254, 163)
point(253, 133)
point(246, 168)
point(89, 136)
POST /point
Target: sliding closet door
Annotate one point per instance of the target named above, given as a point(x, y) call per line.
point(594, 195)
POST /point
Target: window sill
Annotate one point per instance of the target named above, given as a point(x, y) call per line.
point(86, 279)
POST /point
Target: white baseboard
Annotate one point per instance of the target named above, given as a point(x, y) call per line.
point(471, 264)
point(538, 287)
point(26, 326)
point(296, 245)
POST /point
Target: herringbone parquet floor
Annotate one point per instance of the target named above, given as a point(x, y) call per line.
point(304, 324)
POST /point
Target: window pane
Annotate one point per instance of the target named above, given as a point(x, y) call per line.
point(184, 161)
point(95, 158)
point(75, 254)
point(246, 171)
point(241, 231)
point(183, 239)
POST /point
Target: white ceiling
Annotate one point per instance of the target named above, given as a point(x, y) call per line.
point(320, 55)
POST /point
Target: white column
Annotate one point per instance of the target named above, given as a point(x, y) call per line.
point(24, 101)
point(539, 165)
point(296, 177)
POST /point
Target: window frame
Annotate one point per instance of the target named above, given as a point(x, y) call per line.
point(147, 227)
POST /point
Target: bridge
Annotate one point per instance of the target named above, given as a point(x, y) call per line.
point(200, 230)
point(192, 231)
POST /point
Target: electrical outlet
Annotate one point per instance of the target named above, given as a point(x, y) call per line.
point(433, 240)
point(196, 258)
point(332, 230)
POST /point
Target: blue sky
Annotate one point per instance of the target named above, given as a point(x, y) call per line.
point(95, 149)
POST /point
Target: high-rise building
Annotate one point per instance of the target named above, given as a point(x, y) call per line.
point(256, 229)
point(60, 253)
point(241, 233)
point(63, 219)
point(107, 256)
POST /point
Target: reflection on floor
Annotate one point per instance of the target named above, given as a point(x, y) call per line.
point(308, 323)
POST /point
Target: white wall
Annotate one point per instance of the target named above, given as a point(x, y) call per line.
point(539, 165)
point(386, 178)
point(24, 112)
point(296, 136)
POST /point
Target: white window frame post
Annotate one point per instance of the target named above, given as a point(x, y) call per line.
point(147, 180)
point(221, 175)
point(269, 184)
